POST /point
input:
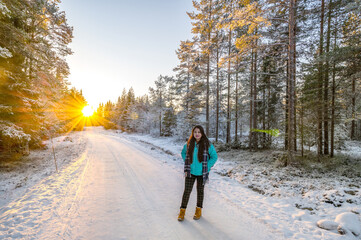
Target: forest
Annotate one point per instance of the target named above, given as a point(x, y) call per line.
point(276, 84)
point(36, 101)
point(256, 75)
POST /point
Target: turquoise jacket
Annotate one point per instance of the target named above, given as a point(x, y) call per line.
point(196, 166)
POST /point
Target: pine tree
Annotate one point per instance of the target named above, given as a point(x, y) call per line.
point(169, 121)
point(157, 95)
point(204, 26)
point(352, 44)
point(33, 66)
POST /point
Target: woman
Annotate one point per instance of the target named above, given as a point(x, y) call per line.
point(199, 156)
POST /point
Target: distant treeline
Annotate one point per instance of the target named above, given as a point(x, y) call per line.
point(288, 65)
point(35, 101)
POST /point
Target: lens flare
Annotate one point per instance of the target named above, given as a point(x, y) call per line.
point(88, 111)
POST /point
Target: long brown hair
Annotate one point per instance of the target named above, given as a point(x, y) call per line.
point(203, 143)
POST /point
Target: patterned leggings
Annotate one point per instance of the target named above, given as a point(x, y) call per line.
point(189, 182)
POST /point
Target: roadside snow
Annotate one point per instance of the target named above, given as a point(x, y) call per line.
point(352, 149)
point(16, 177)
point(348, 223)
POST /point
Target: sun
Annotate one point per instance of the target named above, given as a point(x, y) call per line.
point(88, 111)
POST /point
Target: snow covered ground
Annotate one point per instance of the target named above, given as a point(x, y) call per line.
point(16, 177)
point(296, 201)
point(117, 189)
point(249, 195)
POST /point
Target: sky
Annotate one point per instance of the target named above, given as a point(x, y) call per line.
point(120, 44)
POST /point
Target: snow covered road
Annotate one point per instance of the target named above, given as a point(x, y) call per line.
point(117, 190)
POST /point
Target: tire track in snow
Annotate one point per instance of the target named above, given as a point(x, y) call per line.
point(146, 198)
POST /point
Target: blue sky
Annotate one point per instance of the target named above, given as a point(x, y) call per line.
point(122, 44)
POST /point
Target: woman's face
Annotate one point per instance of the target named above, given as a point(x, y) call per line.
point(197, 134)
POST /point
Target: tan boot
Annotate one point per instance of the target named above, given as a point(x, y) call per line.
point(198, 213)
point(182, 212)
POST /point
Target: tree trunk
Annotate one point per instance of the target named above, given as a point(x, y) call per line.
point(236, 110)
point(326, 80)
point(264, 117)
point(228, 138)
point(241, 130)
point(353, 112)
point(286, 106)
point(160, 114)
point(187, 101)
point(302, 141)
point(320, 85)
point(333, 93)
point(295, 84)
point(333, 107)
point(255, 136)
point(291, 87)
point(251, 105)
point(207, 99)
point(269, 139)
point(217, 100)
point(208, 72)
